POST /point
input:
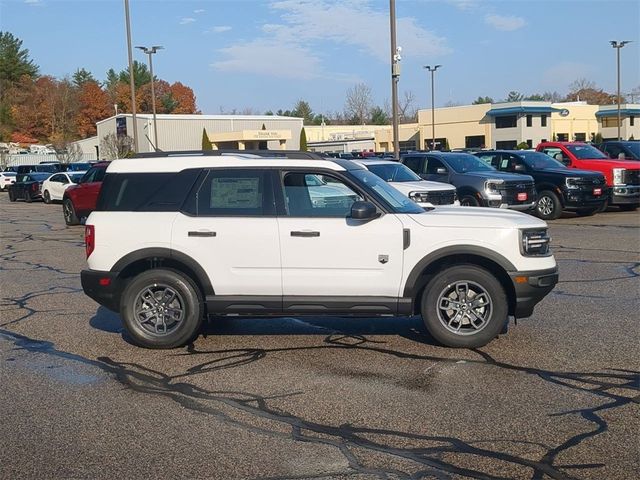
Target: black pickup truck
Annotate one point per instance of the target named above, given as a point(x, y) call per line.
point(559, 188)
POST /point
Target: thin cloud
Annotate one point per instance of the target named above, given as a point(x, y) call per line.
point(219, 29)
point(34, 3)
point(507, 23)
point(464, 5)
point(187, 20)
point(200, 10)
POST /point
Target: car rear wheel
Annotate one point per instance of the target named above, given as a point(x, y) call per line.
point(603, 207)
point(469, 200)
point(162, 309)
point(69, 212)
point(12, 197)
point(549, 206)
point(27, 197)
point(464, 306)
point(46, 196)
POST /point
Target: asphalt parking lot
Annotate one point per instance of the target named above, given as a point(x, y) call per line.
point(557, 397)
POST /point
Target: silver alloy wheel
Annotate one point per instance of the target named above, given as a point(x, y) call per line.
point(464, 307)
point(545, 205)
point(67, 211)
point(159, 309)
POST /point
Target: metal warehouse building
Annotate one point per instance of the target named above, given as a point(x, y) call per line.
point(185, 132)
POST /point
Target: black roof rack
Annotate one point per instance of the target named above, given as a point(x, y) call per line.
point(294, 154)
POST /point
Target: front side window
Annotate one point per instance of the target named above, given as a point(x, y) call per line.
point(540, 161)
point(308, 194)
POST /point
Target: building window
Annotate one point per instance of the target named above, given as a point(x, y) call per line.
point(507, 145)
point(508, 121)
point(529, 120)
point(580, 137)
point(474, 141)
point(632, 121)
point(609, 122)
point(530, 143)
point(562, 137)
point(543, 121)
point(407, 145)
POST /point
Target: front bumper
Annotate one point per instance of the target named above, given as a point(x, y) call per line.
point(626, 195)
point(575, 199)
point(103, 287)
point(531, 287)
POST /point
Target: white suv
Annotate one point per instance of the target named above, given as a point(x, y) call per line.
point(176, 238)
point(425, 193)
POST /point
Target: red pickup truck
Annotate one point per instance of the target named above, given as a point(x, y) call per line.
point(80, 200)
point(623, 176)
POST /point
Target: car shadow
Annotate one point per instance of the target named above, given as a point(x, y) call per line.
point(411, 328)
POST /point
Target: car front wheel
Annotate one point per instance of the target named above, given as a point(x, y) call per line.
point(464, 306)
point(69, 212)
point(549, 206)
point(469, 201)
point(46, 197)
point(162, 309)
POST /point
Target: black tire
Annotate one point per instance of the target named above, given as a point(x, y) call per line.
point(603, 207)
point(46, 197)
point(12, 197)
point(469, 200)
point(442, 291)
point(187, 299)
point(586, 212)
point(549, 206)
point(27, 197)
point(628, 208)
point(69, 212)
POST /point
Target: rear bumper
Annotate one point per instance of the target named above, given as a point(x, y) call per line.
point(103, 287)
point(531, 287)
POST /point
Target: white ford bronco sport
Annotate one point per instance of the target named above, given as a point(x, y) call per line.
point(175, 238)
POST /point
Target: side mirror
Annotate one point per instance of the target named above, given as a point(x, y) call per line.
point(441, 171)
point(519, 168)
point(566, 161)
point(363, 210)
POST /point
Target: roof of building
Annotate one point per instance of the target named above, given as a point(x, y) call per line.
point(521, 109)
point(624, 112)
point(170, 116)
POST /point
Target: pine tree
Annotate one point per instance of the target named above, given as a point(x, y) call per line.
point(303, 140)
point(206, 143)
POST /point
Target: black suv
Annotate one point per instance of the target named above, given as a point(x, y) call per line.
point(559, 188)
point(478, 184)
point(624, 150)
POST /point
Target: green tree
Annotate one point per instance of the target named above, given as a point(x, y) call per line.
point(379, 116)
point(141, 74)
point(303, 140)
point(522, 146)
point(481, 100)
point(82, 76)
point(206, 143)
point(514, 96)
point(303, 110)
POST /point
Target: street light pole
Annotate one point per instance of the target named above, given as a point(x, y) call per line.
point(395, 76)
point(150, 51)
point(618, 45)
point(131, 82)
point(433, 106)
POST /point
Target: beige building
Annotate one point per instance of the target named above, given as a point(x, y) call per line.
point(607, 116)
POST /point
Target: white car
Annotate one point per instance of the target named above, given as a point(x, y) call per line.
point(6, 179)
point(425, 193)
point(177, 237)
point(53, 187)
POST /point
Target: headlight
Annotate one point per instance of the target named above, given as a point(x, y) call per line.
point(571, 182)
point(419, 197)
point(491, 186)
point(534, 242)
point(618, 173)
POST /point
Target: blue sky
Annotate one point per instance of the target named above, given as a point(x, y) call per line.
point(268, 54)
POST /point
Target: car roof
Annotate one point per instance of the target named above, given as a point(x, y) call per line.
point(376, 161)
point(168, 164)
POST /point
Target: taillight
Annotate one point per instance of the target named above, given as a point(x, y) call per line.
point(89, 239)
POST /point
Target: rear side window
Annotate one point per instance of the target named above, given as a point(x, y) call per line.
point(145, 192)
point(232, 192)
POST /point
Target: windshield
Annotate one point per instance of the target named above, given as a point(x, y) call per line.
point(396, 200)
point(586, 152)
point(391, 172)
point(464, 162)
point(540, 161)
point(75, 177)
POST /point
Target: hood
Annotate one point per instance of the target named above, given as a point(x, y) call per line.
point(476, 217)
point(612, 163)
point(571, 172)
point(422, 186)
point(507, 177)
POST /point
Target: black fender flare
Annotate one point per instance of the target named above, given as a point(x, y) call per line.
point(413, 280)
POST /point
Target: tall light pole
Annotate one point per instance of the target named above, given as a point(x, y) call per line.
point(618, 46)
point(395, 76)
point(132, 84)
point(150, 51)
point(433, 106)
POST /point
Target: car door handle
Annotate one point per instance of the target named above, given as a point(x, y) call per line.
point(305, 233)
point(202, 233)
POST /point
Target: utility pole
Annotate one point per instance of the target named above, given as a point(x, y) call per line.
point(150, 51)
point(618, 45)
point(433, 105)
point(395, 76)
point(132, 84)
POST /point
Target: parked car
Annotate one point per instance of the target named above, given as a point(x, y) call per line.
point(623, 176)
point(28, 187)
point(237, 235)
point(79, 200)
point(54, 187)
point(424, 193)
point(79, 166)
point(623, 150)
point(11, 168)
point(478, 184)
point(6, 179)
point(40, 168)
point(559, 188)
